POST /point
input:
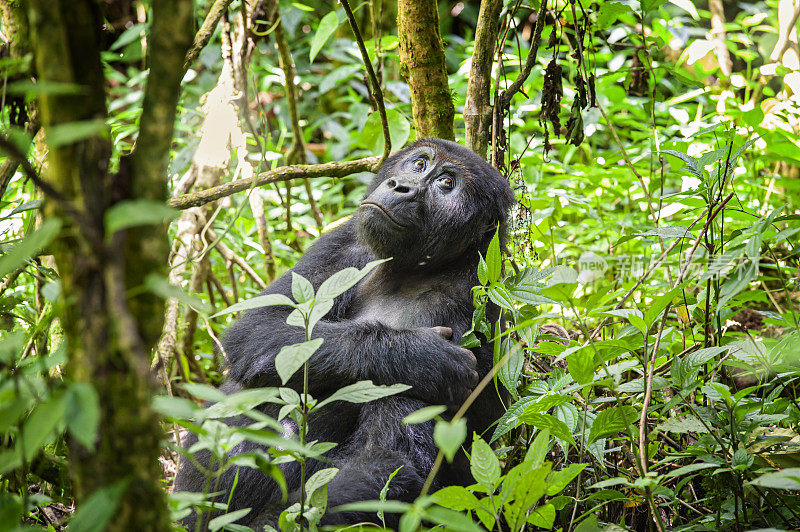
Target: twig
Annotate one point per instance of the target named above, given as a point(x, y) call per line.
point(461, 411)
point(297, 151)
point(89, 228)
point(530, 61)
point(643, 418)
point(206, 31)
point(229, 255)
point(781, 46)
point(284, 173)
point(377, 93)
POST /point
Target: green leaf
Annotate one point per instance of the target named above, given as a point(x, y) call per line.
point(557, 427)
point(129, 36)
point(326, 28)
point(483, 273)
point(510, 371)
point(96, 512)
point(558, 480)
point(160, 286)
point(500, 296)
point(363, 392)
point(372, 134)
point(319, 479)
point(692, 165)
point(456, 498)
point(29, 246)
point(343, 280)
point(302, 291)
point(449, 436)
point(448, 520)
point(133, 213)
point(27, 206)
point(537, 451)
point(204, 392)
point(562, 284)
point(581, 365)
point(318, 311)
point(527, 486)
point(682, 425)
point(786, 479)
point(510, 417)
point(72, 132)
point(544, 516)
point(424, 414)
point(382, 496)
point(220, 522)
point(611, 421)
point(41, 424)
point(484, 465)
point(336, 77)
point(266, 300)
point(494, 260)
point(292, 357)
point(742, 460)
point(668, 232)
point(175, 407)
point(608, 14)
point(82, 413)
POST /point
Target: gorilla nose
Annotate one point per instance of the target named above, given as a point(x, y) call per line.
point(402, 188)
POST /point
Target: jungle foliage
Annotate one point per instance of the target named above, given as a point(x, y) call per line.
point(650, 332)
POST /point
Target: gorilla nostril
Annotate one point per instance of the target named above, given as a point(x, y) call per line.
point(402, 189)
point(391, 183)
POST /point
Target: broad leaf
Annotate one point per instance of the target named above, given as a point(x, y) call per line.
point(82, 413)
point(424, 414)
point(29, 246)
point(484, 465)
point(364, 392)
point(257, 302)
point(132, 213)
point(341, 281)
point(449, 436)
point(292, 357)
point(327, 27)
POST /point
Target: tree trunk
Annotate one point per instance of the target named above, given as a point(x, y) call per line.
point(109, 333)
point(422, 64)
point(478, 109)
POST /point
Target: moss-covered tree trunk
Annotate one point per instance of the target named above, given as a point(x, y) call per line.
point(423, 66)
point(109, 331)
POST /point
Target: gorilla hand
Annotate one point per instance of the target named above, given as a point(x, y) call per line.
point(444, 372)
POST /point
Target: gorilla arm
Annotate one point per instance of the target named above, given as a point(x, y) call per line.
point(439, 371)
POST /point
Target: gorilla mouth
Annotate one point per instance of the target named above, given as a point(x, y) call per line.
point(389, 214)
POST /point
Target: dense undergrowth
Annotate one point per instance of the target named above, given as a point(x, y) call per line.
point(650, 335)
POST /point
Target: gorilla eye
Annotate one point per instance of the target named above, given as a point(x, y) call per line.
point(446, 182)
point(420, 165)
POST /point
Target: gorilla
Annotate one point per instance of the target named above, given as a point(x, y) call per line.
point(432, 207)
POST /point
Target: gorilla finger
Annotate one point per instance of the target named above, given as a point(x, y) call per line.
point(470, 356)
point(475, 377)
point(444, 332)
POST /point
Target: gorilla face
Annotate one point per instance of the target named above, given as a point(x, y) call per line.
point(432, 203)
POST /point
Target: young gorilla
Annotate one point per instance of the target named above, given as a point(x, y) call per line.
point(432, 207)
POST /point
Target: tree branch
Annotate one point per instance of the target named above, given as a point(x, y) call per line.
point(206, 31)
point(229, 255)
point(377, 94)
point(530, 61)
point(284, 173)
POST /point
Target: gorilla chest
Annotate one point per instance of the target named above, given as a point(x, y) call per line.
point(404, 307)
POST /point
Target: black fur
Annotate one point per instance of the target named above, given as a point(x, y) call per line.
point(383, 329)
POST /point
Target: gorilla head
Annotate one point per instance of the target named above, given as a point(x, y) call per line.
point(432, 203)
